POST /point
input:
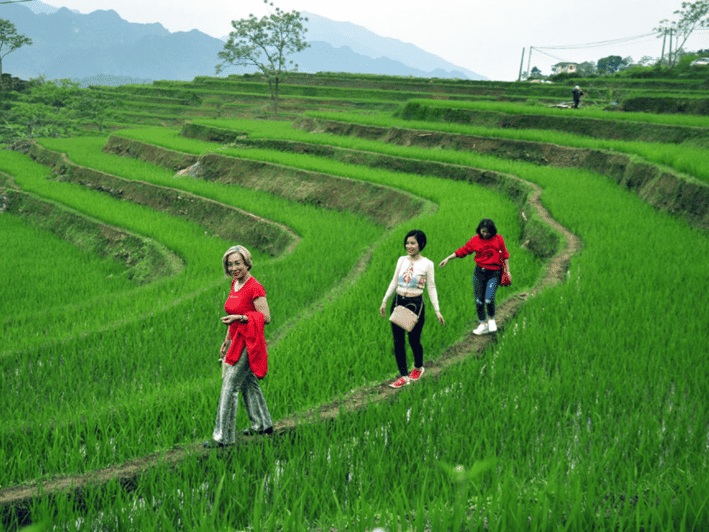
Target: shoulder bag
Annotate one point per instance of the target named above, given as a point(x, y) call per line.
point(505, 279)
point(404, 317)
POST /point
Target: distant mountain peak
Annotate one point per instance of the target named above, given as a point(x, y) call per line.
point(70, 44)
point(41, 8)
point(365, 42)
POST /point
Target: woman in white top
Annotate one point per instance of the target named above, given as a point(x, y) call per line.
point(412, 273)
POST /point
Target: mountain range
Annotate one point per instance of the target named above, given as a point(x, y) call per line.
point(101, 45)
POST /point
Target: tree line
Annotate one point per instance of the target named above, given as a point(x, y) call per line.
point(674, 34)
point(266, 44)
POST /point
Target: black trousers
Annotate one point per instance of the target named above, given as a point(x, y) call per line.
point(415, 304)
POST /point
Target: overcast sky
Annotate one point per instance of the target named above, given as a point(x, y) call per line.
point(484, 36)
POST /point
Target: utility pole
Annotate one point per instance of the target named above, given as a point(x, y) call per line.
point(521, 66)
point(664, 38)
point(669, 54)
point(529, 59)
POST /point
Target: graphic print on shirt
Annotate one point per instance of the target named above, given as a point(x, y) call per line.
point(409, 279)
point(409, 273)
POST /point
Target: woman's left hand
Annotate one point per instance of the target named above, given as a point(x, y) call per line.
point(231, 318)
point(440, 318)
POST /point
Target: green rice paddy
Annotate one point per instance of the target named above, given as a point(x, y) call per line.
point(588, 411)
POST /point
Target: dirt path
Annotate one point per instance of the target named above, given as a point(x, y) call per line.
point(554, 272)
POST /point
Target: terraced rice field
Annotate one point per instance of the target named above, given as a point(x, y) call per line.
point(588, 409)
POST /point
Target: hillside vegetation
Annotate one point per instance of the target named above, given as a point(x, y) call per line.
point(588, 409)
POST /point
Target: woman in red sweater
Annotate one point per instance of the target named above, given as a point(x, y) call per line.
point(243, 352)
point(491, 257)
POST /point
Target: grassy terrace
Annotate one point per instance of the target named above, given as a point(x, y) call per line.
point(589, 408)
point(683, 158)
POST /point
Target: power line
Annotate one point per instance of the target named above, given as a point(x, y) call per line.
point(599, 43)
point(552, 56)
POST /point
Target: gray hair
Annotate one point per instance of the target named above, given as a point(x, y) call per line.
point(245, 255)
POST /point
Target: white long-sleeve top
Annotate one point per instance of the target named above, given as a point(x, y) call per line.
point(410, 278)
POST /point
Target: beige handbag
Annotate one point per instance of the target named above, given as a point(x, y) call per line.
point(403, 317)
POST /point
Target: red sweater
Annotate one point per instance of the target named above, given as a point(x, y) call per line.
point(488, 253)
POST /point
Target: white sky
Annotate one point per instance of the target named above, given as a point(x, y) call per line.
point(485, 36)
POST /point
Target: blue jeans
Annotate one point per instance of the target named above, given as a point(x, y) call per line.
point(485, 283)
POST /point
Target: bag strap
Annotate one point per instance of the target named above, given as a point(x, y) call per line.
point(502, 261)
point(396, 302)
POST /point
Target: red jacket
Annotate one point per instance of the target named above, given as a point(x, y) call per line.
point(489, 253)
point(249, 334)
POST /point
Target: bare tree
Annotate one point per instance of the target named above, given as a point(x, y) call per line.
point(266, 44)
point(10, 40)
point(692, 16)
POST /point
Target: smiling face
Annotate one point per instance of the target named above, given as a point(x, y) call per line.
point(236, 266)
point(412, 246)
point(484, 233)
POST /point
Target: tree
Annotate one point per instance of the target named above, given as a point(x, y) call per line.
point(10, 40)
point(610, 64)
point(625, 63)
point(58, 108)
point(266, 45)
point(691, 16)
point(90, 107)
point(536, 73)
point(587, 68)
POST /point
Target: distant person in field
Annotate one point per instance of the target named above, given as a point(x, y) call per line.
point(243, 353)
point(576, 95)
point(491, 257)
point(413, 272)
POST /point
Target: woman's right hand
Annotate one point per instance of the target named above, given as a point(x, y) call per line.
point(383, 310)
point(231, 318)
point(445, 261)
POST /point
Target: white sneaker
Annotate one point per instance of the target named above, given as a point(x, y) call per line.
point(491, 325)
point(481, 329)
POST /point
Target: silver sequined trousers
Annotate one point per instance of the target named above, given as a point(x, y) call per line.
point(240, 378)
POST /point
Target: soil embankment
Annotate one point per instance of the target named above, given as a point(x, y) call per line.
point(221, 220)
point(146, 259)
point(596, 128)
point(664, 189)
point(383, 205)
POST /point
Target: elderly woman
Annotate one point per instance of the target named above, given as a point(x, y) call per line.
point(243, 352)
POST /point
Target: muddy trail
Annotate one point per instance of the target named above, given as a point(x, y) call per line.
point(541, 232)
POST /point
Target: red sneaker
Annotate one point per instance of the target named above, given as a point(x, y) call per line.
point(416, 373)
point(400, 382)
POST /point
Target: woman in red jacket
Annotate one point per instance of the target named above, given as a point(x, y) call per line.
point(491, 257)
point(243, 352)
